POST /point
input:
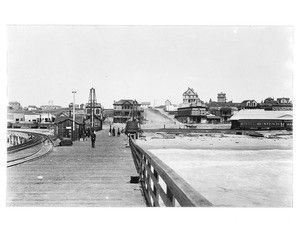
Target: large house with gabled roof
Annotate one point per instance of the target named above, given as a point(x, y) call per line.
point(190, 96)
point(192, 110)
point(125, 109)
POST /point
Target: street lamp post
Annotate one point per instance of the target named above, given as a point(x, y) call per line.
point(73, 131)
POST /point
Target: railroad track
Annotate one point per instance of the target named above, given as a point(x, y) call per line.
point(39, 146)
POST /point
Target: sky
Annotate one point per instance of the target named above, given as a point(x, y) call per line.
point(148, 63)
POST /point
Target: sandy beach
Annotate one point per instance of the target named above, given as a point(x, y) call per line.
point(230, 170)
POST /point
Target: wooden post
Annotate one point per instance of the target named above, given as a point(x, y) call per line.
point(170, 196)
point(154, 187)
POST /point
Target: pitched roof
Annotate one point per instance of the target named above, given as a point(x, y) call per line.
point(190, 91)
point(122, 101)
point(78, 119)
point(145, 103)
point(260, 114)
point(245, 101)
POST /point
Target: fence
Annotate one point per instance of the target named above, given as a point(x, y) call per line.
point(161, 185)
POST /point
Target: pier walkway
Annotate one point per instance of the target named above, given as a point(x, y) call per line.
point(77, 176)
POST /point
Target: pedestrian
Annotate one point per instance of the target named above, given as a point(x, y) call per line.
point(109, 132)
point(118, 133)
point(113, 131)
point(93, 139)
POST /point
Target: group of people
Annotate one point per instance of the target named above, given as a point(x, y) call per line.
point(112, 132)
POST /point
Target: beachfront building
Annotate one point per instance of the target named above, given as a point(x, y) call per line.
point(260, 119)
point(125, 109)
point(191, 113)
point(192, 110)
point(190, 96)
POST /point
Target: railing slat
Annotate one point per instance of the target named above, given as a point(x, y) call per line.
point(170, 196)
point(160, 190)
point(177, 188)
point(154, 198)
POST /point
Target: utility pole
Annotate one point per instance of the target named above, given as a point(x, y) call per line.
point(73, 132)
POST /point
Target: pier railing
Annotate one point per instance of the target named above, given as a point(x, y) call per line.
point(161, 185)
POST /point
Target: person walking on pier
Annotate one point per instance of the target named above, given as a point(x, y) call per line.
point(118, 133)
point(113, 132)
point(109, 132)
point(93, 139)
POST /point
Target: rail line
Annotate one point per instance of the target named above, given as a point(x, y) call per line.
point(39, 146)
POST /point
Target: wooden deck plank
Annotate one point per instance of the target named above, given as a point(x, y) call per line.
point(78, 175)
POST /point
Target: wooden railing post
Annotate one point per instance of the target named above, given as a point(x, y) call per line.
point(154, 186)
point(176, 188)
point(170, 196)
point(148, 183)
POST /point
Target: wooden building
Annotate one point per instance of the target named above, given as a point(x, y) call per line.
point(248, 104)
point(260, 119)
point(191, 113)
point(190, 96)
point(125, 109)
point(64, 126)
point(281, 104)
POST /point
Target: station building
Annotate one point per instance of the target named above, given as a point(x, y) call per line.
point(260, 119)
point(64, 126)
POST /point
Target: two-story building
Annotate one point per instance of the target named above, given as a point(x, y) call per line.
point(281, 104)
point(190, 96)
point(194, 112)
point(248, 104)
point(125, 109)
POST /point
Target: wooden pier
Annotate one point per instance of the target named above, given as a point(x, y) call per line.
point(78, 176)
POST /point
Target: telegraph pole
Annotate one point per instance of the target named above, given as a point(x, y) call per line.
point(73, 132)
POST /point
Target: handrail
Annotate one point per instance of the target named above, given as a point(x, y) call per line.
point(153, 171)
